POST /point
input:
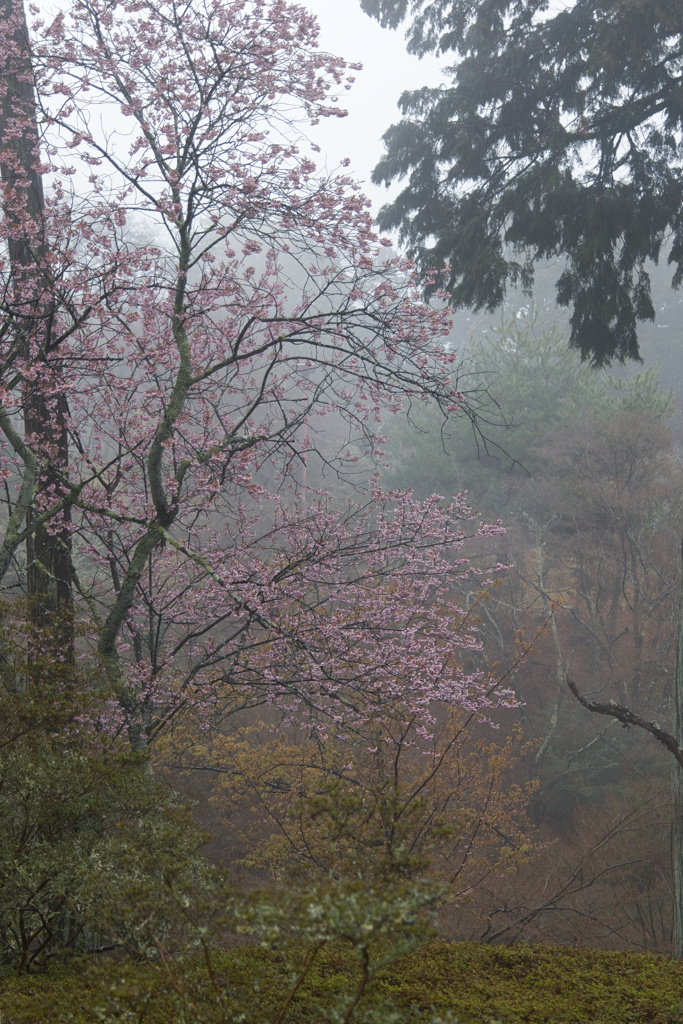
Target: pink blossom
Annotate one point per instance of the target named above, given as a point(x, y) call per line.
point(194, 386)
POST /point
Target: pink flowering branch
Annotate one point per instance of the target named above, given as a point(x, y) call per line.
point(222, 327)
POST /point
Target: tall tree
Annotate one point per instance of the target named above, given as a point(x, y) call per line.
point(559, 134)
point(213, 296)
point(28, 316)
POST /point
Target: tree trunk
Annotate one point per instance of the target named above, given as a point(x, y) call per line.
point(48, 552)
point(677, 778)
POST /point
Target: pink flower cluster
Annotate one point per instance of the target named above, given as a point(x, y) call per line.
point(196, 301)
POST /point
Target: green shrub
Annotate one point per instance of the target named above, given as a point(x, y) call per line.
point(92, 851)
point(451, 983)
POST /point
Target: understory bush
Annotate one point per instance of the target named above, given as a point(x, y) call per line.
point(93, 852)
point(440, 983)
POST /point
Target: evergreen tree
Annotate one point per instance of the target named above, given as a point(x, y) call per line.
point(538, 391)
point(560, 134)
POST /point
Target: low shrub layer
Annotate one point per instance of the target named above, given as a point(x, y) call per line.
point(461, 982)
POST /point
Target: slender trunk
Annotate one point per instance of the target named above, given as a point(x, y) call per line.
point(560, 669)
point(48, 551)
point(677, 817)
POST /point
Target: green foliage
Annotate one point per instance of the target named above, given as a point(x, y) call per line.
point(486, 985)
point(536, 387)
point(92, 851)
point(95, 857)
point(377, 923)
point(441, 983)
point(560, 135)
point(322, 948)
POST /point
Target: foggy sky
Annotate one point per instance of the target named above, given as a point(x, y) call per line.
point(372, 103)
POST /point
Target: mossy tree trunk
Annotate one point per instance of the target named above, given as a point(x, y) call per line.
point(48, 552)
point(677, 819)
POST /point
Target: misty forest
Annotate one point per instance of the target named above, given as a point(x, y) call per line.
point(341, 621)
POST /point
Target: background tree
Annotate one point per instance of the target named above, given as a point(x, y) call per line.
point(558, 135)
point(530, 385)
point(592, 509)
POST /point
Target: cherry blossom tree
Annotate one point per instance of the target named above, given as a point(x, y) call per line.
point(186, 303)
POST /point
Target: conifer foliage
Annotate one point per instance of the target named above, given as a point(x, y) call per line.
point(559, 134)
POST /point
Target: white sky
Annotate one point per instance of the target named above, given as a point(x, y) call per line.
point(388, 70)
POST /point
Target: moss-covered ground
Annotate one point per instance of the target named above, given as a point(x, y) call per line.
point(477, 984)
